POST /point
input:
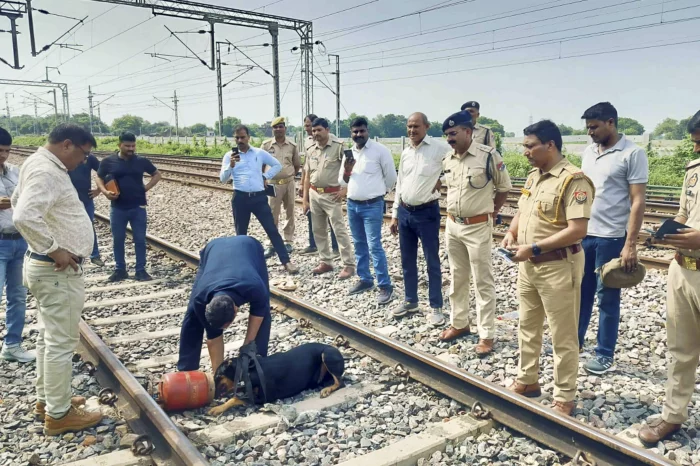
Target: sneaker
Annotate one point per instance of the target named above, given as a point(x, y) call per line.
point(75, 420)
point(599, 365)
point(404, 309)
point(16, 353)
point(269, 252)
point(385, 295)
point(360, 287)
point(97, 261)
point(118, 275)
point(309, 250)
point(143, 276)
point(289, 248)
point(40, 407)
point(436, 318)
point(291, 268)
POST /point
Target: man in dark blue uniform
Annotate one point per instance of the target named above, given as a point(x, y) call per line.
point(81, 177)
point(232, 272)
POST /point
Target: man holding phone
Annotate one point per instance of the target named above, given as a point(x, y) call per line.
point(682, 305)
point(369, 174)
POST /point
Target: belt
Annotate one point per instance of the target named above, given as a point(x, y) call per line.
point(368, 201)
point(282, 181)
point(249, 194)
point(688, 263)
point(330, 189)
point(10, 236)
point(413, 208)
point(45, 258)
point(469, 220)
point(555, 255)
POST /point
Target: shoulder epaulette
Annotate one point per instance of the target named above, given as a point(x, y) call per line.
point(532, 171)
point(292, 142)
point(693, 164)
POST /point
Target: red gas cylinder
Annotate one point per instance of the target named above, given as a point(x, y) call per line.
point(178, 391)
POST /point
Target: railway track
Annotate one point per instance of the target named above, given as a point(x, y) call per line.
point(487, 401)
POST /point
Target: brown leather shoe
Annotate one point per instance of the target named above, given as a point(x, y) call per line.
point(484, 347)
point(655, 431)
point(40, 407)
point(75, 420)
point(529, 391)
point(451, 333)
point(563, 407)
point(346, 273)
point(322, 268)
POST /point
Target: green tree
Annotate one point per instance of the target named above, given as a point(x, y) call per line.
point(495, 126)
point(669, 129)
point(128, 123)
point(565, 130)
point(228, 124)
point(630, 126)
point(435, 129)
point(389, 126)
point(199, 129)
point(159, 128)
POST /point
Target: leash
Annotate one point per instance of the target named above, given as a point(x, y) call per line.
point(248, 359)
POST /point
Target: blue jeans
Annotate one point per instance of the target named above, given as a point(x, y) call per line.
point(423, 224)
point(90, 209)
point(136, 218)
point(598, 251)
point(11, 260)
point(366, 222)
point(312, 240)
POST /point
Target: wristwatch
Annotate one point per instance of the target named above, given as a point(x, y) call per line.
point(536, 251)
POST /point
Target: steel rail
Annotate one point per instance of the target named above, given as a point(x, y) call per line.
point(564, 434)
point(136, 406)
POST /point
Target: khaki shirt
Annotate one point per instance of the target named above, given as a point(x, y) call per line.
point(469, 191)
point(323, 164)
point(542, 213)
point(287, 154)
point(483, 135)
point(689, 205)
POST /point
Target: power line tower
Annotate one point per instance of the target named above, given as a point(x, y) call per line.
point(337, 92)
point(55, 102)
point(177, 133)
point(13, 11)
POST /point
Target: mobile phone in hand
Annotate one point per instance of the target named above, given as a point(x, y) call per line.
point(235, 153)
point(349, 157)
point(506, 254)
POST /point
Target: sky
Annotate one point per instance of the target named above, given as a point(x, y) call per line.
point(522, 60)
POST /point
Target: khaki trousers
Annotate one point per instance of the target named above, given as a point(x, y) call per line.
point(469, 251)
point(551, 289)
point(60, 298)
point(323, 209)
point(683, 333)
point(286, 194)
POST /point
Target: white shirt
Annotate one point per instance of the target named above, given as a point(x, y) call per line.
point(612, 173)
point(373, 174)
point(8, 181)
point(419, 171)
point(47, 211)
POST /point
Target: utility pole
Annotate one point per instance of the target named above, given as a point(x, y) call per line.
point(55, 102)
point(90, 96)
point(274, 32)
point(177, 135)
point(337, 92)
point(36, 116)
point(219, 89)
point(99, 113)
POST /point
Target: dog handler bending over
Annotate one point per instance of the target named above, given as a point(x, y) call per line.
point(232, 272)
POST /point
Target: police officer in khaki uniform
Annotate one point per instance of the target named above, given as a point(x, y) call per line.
point(682, 305)
point(481, 134)
point(545, 235)
point(323, 196)
point(472, 171)
point(285, 151)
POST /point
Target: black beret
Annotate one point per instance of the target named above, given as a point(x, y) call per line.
point(471, 104)
point(458, 119)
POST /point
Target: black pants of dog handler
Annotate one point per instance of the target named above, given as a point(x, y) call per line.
point(246, 204)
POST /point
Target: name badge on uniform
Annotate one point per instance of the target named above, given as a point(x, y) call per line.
point(525, 192)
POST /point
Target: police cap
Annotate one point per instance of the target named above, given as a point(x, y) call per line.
point(278, 121)
point(458, 119)
point(471, 104)
point(613, 275)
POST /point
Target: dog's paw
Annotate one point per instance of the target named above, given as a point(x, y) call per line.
point(217, 410)
point(326, 391)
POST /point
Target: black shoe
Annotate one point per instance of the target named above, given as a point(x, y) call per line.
point(361, 287)
point(97, 261)
point(289, 248)
point(309, 250)
point(269, 252)
point(143, 276)
point(385, 295)
point(118, 275)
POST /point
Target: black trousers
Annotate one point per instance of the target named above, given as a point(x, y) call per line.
point(243, 205)
point(192, 334)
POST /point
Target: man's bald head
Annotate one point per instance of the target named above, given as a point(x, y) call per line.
point(417, 127)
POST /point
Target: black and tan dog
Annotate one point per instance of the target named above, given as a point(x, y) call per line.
point(309, 366)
